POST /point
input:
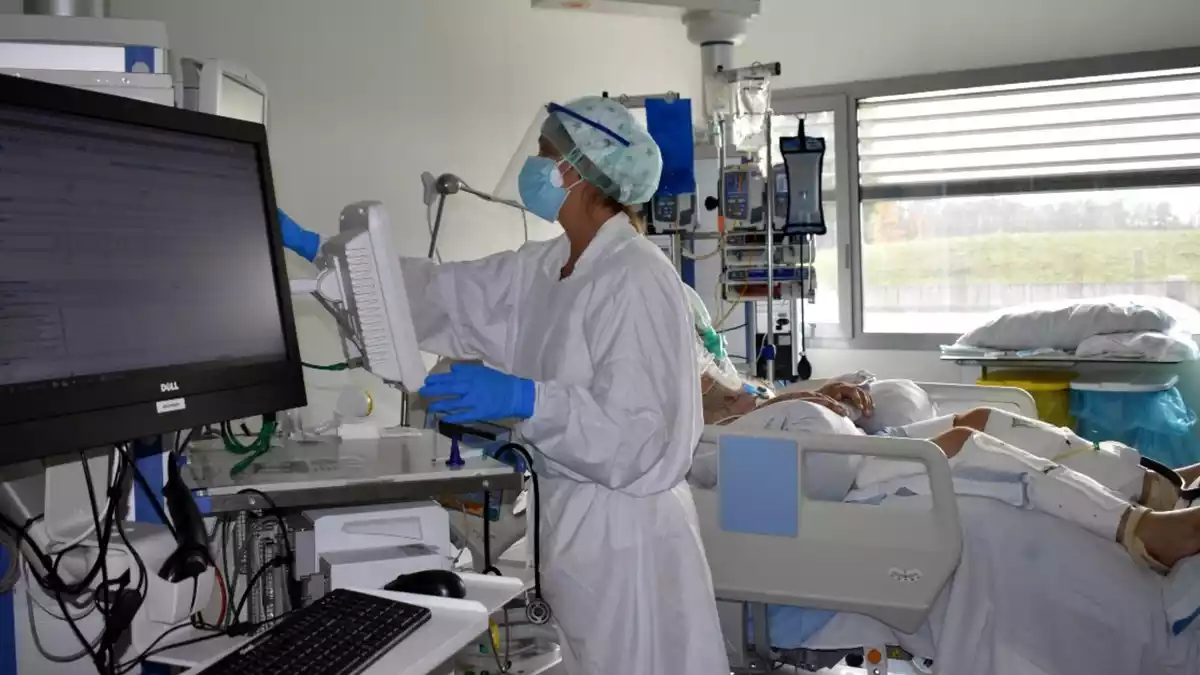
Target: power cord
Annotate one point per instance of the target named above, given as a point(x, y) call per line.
point(113, 598)
point(105, 650)
point(260, 445)
point(144, 485)
point(538, 612)
point(100, 649)
point(332, 367)
point(293, 586)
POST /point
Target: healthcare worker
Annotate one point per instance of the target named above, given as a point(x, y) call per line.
point(589, 340)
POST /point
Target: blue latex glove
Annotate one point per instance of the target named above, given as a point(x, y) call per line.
point(473, 393)
point(305, 243)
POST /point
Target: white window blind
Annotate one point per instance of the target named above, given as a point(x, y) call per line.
point(1102, 126)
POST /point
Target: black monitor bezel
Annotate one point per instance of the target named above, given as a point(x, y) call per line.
point(59, 416)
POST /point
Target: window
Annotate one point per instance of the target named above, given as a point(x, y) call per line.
point(978, 199)
point(969, 192)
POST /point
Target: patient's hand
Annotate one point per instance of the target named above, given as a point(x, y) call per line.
point(811, 397)
point(850, 395)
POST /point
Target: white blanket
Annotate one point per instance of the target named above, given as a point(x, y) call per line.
point(1035, 595)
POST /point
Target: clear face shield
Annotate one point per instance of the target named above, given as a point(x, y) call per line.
point(561, 165)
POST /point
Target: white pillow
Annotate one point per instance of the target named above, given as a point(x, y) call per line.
point(897, 403)
point(826, 477)
point(1064, 325)
point(1144, 346)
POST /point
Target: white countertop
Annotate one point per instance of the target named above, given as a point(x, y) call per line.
point(454, 625)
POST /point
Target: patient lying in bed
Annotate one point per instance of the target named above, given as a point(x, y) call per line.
point(994, 454)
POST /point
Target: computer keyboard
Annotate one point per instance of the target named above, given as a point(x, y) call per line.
point(341, 634)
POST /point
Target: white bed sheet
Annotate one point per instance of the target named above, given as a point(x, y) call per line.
point(1037, 596)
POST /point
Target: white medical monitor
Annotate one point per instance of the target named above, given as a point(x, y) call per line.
point(241, 102)
point(363, 264)
point(224, 88)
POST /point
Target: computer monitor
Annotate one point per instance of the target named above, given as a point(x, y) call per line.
point(142, 279)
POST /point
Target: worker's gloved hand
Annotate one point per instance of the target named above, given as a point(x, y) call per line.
point(305, 243)
point(474, 393)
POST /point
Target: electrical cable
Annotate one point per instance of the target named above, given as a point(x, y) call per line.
point(720, 323)
point(87, 646)
point(505, 666)
point(293, 586)
point(230, 581)
point(537, 517)
point(705, 256)
point(150, 651)
point(488, 567)
point(224, 597)
point(88, 606)
point(260, 445)
point(37, 640)
point(182, 441)
point(277, 561)
point(332, 367)
point(105, 650)
point(51, 582)
point(101, 655)
point(239, 629)
point(143, 580)
point(88, 532)
point(146, 489)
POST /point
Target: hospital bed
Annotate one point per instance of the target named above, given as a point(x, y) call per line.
point(887, 564)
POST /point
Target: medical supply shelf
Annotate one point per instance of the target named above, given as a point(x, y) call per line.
point(331, 472)
point(454, 625)
point(984, 362)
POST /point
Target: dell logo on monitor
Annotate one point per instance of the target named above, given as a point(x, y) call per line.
point(167, 387)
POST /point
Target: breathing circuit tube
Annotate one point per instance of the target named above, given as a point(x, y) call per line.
point(538, 611)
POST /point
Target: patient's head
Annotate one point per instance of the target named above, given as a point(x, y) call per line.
point(897, 403)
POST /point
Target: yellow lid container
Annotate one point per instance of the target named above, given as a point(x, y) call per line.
point(1050, 389)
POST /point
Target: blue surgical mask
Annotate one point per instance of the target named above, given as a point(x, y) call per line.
point(541, 187)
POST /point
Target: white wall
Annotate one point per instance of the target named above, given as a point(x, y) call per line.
point(851, 40)
point(367, 94)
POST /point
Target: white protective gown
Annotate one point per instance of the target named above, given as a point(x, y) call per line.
point(618, 415)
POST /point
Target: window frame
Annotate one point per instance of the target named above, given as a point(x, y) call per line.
point(783, 105)
point(844, 100)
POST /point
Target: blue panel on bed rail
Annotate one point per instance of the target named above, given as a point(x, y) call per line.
point(759, 489)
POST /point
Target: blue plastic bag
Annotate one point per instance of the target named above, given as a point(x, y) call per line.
point(1158, 424)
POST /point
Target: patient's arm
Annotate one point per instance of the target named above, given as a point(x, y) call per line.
point(818, 398)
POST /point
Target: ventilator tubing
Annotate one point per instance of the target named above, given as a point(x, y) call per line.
point(1113, 465)
point(1052, 488)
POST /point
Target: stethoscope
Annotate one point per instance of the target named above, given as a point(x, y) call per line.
point(537, 610)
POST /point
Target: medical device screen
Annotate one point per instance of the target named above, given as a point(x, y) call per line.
point(124, 248)
point(240, 102)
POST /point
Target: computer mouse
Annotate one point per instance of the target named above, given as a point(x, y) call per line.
point(443, 583)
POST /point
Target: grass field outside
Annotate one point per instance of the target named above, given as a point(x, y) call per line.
point(1029, 258)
